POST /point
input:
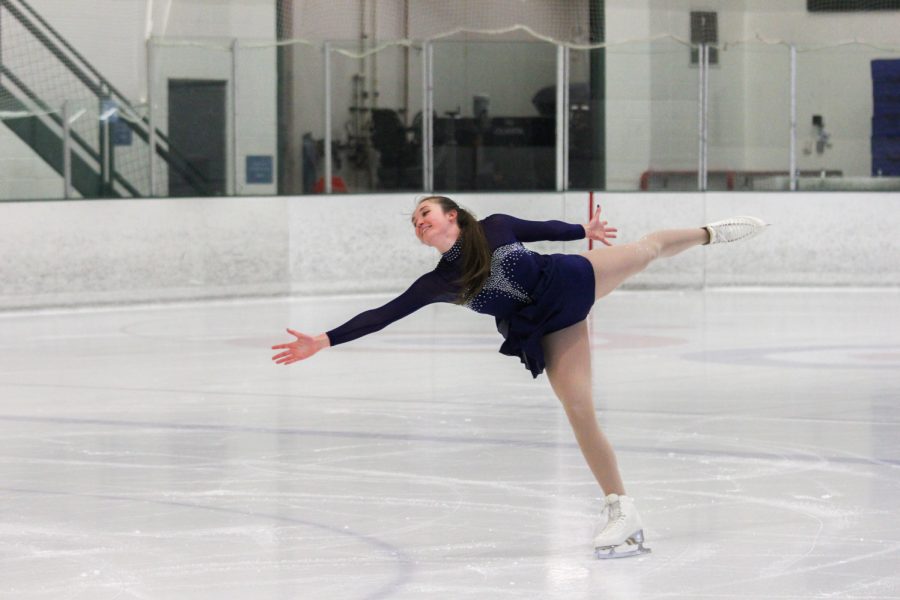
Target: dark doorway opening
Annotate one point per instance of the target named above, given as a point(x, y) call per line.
point(197, 130)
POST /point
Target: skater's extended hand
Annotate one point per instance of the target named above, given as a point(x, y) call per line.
point(598, 230)
point(303, 348)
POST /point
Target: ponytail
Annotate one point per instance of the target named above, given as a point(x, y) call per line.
point(476, 252)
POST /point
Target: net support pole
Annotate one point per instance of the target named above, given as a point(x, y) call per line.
point(328, 165)
point(562, 118)
point(703, 113)
point(793, 158)
point(706, 117)
point(151, 123)
point(234, 117)
point(700, 75)
point(428, 117)
point(67, 150)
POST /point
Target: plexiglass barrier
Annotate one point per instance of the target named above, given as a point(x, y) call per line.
point(236, 117)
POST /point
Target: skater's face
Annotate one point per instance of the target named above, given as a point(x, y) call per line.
point(433, 226)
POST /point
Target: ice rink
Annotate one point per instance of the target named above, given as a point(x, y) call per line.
point(156, 452)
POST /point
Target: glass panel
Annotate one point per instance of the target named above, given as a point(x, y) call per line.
point(587, 120)
point(749, 131)
point(256, 121)
point(395, 122)
point(373, 130)
point(492, 128)
point(193, 115)
point(302, 119)
point(848, 131)
point(651, 117)
point(124, 132)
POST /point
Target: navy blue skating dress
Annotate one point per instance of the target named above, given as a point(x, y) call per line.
point(529, 294)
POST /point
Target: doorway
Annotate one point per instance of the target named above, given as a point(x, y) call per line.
point(197, 132)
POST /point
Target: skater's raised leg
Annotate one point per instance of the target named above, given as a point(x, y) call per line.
point(613, 265)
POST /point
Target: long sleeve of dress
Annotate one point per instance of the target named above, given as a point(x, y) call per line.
point(427, 289)
point(536, 231)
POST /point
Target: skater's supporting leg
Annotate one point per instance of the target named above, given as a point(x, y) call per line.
point(569, 368)
point(568, 358)
point(613, 265)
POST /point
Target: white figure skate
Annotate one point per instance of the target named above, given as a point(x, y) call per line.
point(623, 534)
point(735, 229)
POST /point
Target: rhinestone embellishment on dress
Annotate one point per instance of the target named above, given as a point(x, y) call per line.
point(454, 252)
point(500, 282)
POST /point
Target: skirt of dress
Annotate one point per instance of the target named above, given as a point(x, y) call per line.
point(563, 296)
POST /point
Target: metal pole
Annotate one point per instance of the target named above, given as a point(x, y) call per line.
point(705, 116)
point(426, 142)
point(327, 51)
point(559, 118)
point(67, 151)
point(590, 215)
point(234, 120)
point(793, 166)
point(562, 118)
point(567, 112)
point(700, 133)
point(151, 123)
point(428, 117)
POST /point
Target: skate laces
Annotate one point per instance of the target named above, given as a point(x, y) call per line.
point(731, 230)
point(736, 228)
point(616, 516)
point(619, 519)
point(608, 503)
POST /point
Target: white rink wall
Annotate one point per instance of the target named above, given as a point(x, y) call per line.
point(82, 253)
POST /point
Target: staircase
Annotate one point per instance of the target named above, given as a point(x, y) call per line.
point(109, 143)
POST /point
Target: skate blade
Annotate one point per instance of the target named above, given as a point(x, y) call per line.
point(633, 546)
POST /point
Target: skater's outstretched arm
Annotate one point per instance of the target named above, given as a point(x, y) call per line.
point(558, 231)
point(429, 288)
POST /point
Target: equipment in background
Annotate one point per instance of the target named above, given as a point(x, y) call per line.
point(886, 118)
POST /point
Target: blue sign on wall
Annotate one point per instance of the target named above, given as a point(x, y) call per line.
point(120, 133)
point(260, 169)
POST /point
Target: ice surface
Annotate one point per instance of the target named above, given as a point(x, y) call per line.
point(156, 452)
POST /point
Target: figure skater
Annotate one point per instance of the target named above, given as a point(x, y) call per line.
point(540, 303)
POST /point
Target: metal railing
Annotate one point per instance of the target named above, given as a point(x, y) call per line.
point(47, 73)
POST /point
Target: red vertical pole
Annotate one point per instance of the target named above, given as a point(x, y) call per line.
point(590, 215)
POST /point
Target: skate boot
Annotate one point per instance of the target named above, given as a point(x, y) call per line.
point(735, 229)
point(623, 534)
